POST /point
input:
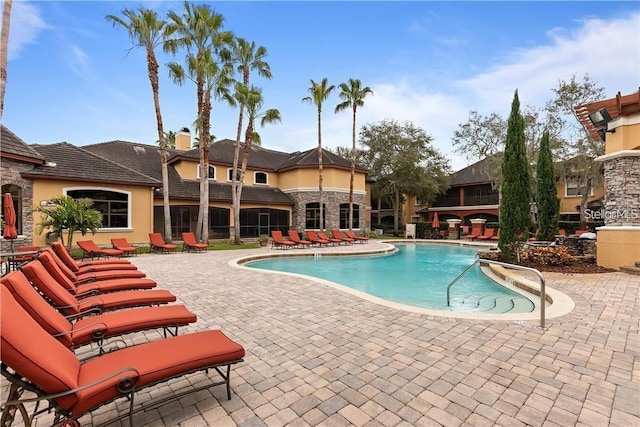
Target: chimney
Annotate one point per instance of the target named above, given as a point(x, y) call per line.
point(183, 139)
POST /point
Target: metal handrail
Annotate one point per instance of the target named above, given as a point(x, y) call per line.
point(543, 296)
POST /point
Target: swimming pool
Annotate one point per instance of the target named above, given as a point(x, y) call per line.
point(417, 275)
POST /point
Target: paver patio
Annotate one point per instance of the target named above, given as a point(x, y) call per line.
point(320, 356)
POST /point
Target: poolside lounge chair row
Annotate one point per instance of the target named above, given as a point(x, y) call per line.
point(320, 239)
point(55, 305)
point(121, 247)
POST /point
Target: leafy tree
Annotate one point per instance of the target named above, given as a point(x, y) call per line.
point(319, 93)
point(547, 202)
point(146, 30)
point(199, 31)
point(353, 95)
point(4, 45)
point(66, 213)
point(580, 147)
point(515, 201)
point(402, 160)
point(245, 57)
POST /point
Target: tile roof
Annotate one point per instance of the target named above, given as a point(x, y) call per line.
point(472, 174)
point(12, 145)
point(621, 105)
point(68, 162)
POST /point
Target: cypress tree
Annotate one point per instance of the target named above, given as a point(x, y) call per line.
point(548, 203)
point(515, 196)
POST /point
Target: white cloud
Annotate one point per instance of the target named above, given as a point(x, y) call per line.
point(25, 26)
point(78, 60)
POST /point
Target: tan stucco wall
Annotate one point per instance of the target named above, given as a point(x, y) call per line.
point(140, 211)
point(187, 169)
point(626, 137)
point(568, 203)
point(618, 246)
point(331, 178)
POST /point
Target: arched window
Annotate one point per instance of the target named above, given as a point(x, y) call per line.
point(113, 205)
point(16, 196)
point(230, 174)
point(212, 172)
point(344, 215)
point(312, 216)
point(260, 178)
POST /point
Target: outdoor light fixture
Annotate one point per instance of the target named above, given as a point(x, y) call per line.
point(600, 118)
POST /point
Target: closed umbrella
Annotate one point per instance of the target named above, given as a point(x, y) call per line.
point(435, 223)
point(10, 232)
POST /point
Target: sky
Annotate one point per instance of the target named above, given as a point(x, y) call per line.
point(72, 76)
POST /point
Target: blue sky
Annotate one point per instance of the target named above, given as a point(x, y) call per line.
point(70, 78)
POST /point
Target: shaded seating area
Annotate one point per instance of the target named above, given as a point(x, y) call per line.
point(157, 244)
point(91, 250)
point(355, 237)
point(294, 236)
point(121, 244)
point(189, 243)
point(278, 241)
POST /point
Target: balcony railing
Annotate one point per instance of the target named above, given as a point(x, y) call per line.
point(489, 199)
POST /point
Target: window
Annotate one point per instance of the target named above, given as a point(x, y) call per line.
point(230, 174)
point(113, 205)
point(574, 188)
point(16, 196)
point(260, 178)
point(312, 216)
point(212, 172)
point(344, 215)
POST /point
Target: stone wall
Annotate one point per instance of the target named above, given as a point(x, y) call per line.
point(332, 201)
point(11, 175)
point(622, 188)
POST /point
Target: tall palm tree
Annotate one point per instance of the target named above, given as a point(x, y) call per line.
point(4, 45)
point(199, 31)
point(146, 30)
point(245, 57)
point(353, 95)
point(319, 93)
point(170, 139)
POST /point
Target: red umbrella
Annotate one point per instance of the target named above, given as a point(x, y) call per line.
point(9, 232)
point(435, 223)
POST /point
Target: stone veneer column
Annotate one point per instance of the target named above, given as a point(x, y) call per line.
point(332, 201)
point(619, 239)
point(11, 175)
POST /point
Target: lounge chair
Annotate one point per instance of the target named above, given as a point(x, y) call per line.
point(278, 240)
point(91, 250)
point(496, 237)
point(78, 304)
point(104, 272)
point(85, 266)
point(323, 236)
point(190, 243)
point(158, 244)
point(336, 234)
point(488, 233)
point(34, 361)
point(93, 328)
point(17, 261)
point(295, 238)
point(361, 239)
point(562, 232)
point(121, 244)
point(475, 233)
point(313, 238)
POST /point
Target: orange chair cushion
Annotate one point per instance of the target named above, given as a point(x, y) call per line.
point(124, 299)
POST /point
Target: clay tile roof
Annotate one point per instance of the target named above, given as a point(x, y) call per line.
point(621, 105)
point(68, 162)
point(12, 146)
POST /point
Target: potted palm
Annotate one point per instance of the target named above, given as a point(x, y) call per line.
point(263, 240)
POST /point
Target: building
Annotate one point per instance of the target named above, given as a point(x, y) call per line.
point(280, 190)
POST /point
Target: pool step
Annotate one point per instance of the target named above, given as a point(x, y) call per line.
point(495, 304)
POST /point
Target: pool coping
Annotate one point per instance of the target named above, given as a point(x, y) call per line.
point(559, 304)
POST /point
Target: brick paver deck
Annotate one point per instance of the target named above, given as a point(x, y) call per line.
point(320, 356)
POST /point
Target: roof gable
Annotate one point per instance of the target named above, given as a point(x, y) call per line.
point(14, 147)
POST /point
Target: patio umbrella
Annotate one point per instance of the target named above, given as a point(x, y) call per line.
point(435, 223)
point(9, 232)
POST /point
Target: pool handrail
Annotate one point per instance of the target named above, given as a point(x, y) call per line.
point(543, 297)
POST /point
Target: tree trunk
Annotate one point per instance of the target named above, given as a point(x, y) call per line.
point(204, 143)
point(320, 195)
point(236, 193)
point(353, 167)
point(396, 211)
point(4, 54)
point(204, 174)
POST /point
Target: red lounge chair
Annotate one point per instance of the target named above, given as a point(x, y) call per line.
point(336, 234)
point(278, 241)
point(18, 260)
point(496, 237)
point(323, 236)
point(295, 238)
point(121, 244)
point(34, 361)
point(488, 233)
point(159, 245)
point(313, 238)
point(474, 234)
point(189, 242)
point(77, 304)
point(93, 328)
point(91, 250)
point(562, 232)
point(113, 272)
point(85, 266)
point(361, 239)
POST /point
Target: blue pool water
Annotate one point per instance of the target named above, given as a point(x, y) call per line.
point(417, 274)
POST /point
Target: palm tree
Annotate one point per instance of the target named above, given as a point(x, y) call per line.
point(146, 30)
point(66, 213)
point(170, 139)
point(319, 93)
point(246, 57)
point(4, 45)
point(198, 30)
point(353, 95)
